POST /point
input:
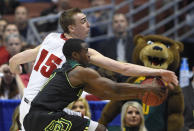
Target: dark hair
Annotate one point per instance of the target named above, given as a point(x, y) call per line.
point(117, 14)
point(13, 89)
point(72, 45)
point(66, 18)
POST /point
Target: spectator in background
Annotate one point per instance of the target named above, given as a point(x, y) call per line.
point(98, 16)
point(132, 118)
point(9, 29)
point(52, 25)
point(3, 51)
point(15, 126)
point(3, 23)
point(118, 47)
point(21, 20)
point(189, 106)
point(8, 6)
point(121, 43)
point(56, 7)
point(13, 44)
point(81, 105)
point(10, 86)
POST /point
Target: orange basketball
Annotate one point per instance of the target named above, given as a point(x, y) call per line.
point(150, 98)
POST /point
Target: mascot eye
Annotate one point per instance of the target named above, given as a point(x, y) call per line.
point(150, 42)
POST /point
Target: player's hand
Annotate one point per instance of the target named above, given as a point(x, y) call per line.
point(155, 87)
point(16, 69)
point(169, 77)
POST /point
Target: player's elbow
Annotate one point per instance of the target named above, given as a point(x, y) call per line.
point(11, 61)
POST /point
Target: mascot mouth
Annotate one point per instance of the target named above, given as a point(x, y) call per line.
point(156, 61)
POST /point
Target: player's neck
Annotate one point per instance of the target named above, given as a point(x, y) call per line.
point(72, 62)
point(70, 35)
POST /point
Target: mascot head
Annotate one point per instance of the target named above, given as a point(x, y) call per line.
point(157, 51)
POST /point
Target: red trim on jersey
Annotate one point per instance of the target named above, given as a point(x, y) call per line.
point(63, 37)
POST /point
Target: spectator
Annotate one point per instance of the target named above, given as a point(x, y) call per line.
point(119, 46)
point(189, 106)
point(3, 23)
point(56, 7)
point(8, 6)
point(13, 44)
point(98, 16)
point(10, 87)
point(21, 20)
point(3, 51)
point(132, 118)
point(121, 43)
point(52, 24)
point(15, 120)
point(9, 29)
point(81, 105)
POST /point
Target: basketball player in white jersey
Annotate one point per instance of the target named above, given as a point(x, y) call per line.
point(48, 56)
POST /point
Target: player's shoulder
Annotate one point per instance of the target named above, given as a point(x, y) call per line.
point(53, 34)
point(51, 37)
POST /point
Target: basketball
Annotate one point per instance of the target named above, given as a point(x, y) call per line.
point(150, 98)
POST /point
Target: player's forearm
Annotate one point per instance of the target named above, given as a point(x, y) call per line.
point(126, 69)
point(21, 58)
point(137, 70)
point(126, 91)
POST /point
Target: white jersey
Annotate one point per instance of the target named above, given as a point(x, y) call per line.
point(50, 57)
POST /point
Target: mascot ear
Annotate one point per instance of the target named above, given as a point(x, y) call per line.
point(138, 39)
point(180, 46)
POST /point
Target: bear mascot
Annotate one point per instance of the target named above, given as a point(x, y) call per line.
point(159, 52)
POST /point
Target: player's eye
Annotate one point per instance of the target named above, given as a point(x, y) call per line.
point(83, 21)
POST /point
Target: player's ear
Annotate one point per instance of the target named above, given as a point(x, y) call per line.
point(75, 55)
point(71, 28)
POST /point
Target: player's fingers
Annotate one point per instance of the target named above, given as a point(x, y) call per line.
point(175, 81)
point(171, 86)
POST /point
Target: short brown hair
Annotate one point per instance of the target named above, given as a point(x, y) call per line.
point(66, 18)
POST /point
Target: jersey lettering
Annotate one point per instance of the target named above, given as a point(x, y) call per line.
point(50, 65)
point(43, 55)
point(59, 125)
point(146, 109)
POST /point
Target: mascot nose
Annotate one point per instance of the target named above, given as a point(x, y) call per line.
point(157, 48)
